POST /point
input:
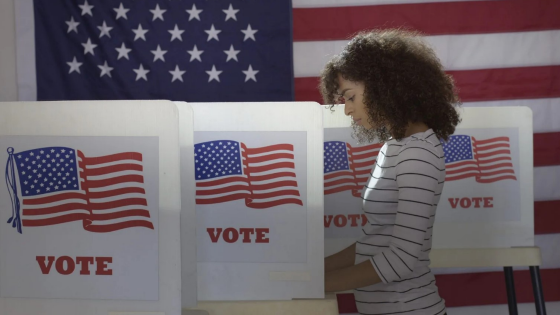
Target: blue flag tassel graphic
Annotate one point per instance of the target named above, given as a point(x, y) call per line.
point(15, 220)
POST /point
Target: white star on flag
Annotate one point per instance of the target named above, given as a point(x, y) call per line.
point(213, 33)
point(121, 12)
point(141, 73)
point(86, 8)
point(176, 33)
point(88, 47)
point(249, 33)
point(250, 74)
point(105, 70)
point(104, 30)
point(123, 51)
point(140, 33)
point(230, 13)
point(158, 13)
point(195, 54)
point(177, 74)
point(158, 54)
point(214, 74)
point(231, 53)
point(72, 25)
point(74, 66)
point(194, 13)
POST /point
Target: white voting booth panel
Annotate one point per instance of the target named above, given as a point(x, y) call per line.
point(188, 214)
point(93, 208)
point(259, 200)
point(483, 204)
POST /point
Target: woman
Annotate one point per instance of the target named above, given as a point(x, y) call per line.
point(395, 89)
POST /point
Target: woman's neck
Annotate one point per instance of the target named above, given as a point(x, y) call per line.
point(414, 128)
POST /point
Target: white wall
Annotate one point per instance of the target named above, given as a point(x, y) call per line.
point(8, 78)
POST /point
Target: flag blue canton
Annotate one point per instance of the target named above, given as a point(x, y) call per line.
point(458, 148)
point(46, 170)
point(195, 51)
point(217, 158)
point(335, 156)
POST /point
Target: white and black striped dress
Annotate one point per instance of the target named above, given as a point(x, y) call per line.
point(400, 201)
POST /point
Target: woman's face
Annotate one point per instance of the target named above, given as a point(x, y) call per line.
point(352, 94)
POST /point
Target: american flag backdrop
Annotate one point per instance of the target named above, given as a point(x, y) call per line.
point(348, 167)
point(500, 53)
point(227, 170)
point(59, 185)
point(487, 160)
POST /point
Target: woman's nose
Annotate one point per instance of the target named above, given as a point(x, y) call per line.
point(347, 109)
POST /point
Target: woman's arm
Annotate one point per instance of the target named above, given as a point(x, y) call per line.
point(357, 276)
point(344, 258)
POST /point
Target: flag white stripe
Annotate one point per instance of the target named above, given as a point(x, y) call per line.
point(456, 52)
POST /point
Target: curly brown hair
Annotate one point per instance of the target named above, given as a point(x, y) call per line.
point(404, 82)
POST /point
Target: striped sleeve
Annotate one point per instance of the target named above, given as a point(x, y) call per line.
point(418, 173)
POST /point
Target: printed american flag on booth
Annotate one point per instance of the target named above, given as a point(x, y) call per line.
point(159, 49)
point(227, 170)
point(59, 185)
point(348, 167)
point(487, 160)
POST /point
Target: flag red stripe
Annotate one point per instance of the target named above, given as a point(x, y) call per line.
point(56, 220)
point(269, 204)
point(363, 164)
point(284, 183)
point(499, 84)
point(269, 157)
point(116, 192)
point(475, 289)
point(339, 189)
point(275, 194)
point(332, 23)
point(221, 199)
point(501, 158)
point(546, 148)
point(259, 178)
point(479, 148)
point(222, 190)
point(460, 164)
point(135, 156)
point(491, 167)
point(337, 174)
point(267, 149)
point(362, 172)
point(451, 178)
point(484, 155)
point(112, 169)
point(120, 214)
point(491, 140)
point(269, 167)
point(462, 170)
point(507, 171)
point(118, 203)
point(119, 226)
point(222, 181)
point(496, 179)
point(341, 181)
point(115, 180)
point(54, 198)
point(55, 209)
point(375, 146)
point(547, 216)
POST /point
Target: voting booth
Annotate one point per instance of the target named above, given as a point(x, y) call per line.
point(91, 210)
point(259, 202)
point(487, 200)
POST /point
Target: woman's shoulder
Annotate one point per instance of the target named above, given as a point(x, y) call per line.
point(423, 144)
